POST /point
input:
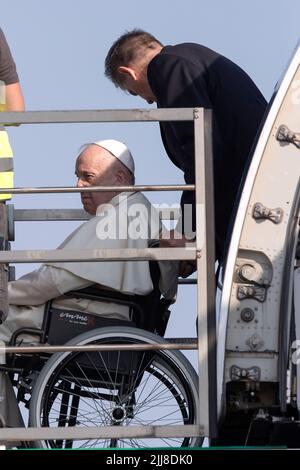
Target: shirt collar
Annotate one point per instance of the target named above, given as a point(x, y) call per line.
point(115, 201)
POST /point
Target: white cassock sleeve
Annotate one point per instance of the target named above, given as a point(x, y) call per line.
point(45, 283)
point(116, 226)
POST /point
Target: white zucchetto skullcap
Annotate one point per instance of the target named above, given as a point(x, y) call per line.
point(118, 150)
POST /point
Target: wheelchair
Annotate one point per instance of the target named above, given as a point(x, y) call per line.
point(107, 388)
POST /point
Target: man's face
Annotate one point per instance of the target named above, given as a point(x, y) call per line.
point(139, 86)
point(95, 167)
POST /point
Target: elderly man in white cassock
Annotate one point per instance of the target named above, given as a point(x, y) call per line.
point(121, 220)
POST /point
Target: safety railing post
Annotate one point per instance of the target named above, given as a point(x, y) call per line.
point(205, 249)
point(3, 266)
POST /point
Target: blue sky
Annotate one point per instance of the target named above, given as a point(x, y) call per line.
point(60, 46)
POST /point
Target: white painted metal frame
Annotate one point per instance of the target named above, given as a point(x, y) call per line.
point(26, 215)
point(203, 253)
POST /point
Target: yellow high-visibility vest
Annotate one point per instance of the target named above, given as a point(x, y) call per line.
point(6, 161)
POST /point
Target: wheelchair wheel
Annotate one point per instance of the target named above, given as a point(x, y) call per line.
point(121, 388)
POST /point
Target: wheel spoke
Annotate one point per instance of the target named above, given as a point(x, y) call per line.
point(157, 392)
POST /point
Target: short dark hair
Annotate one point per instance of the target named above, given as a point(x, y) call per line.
point(127, 49)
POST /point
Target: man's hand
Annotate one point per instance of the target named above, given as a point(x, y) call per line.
point(172, 239)
point(187, 268)
point(175, 239)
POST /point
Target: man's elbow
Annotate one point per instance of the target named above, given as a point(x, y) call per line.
point(14, 98)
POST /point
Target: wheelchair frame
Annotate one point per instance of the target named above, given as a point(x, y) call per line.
point(118, 380)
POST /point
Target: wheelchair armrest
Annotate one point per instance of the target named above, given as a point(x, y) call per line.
point(95, 293)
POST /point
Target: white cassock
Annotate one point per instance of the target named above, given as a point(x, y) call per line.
point(128, 221)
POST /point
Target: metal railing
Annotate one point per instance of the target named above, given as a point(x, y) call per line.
point(203, 253)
